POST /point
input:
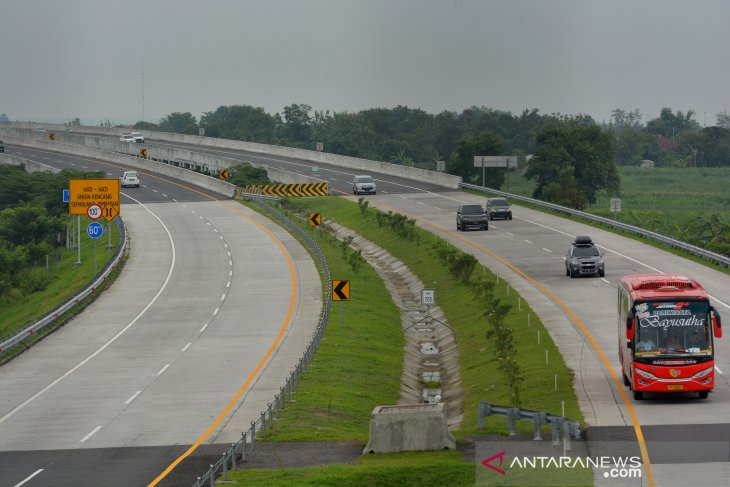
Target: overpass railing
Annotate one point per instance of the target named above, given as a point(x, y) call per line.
point(265, 422)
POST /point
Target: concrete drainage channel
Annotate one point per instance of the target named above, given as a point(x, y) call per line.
point(431, 362)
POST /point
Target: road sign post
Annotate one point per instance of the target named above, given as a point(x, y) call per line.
point(494, 161)
point(616, 207)
point(95, 230)
point(340, 292)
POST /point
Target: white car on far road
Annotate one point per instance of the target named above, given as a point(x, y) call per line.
point(129, 178)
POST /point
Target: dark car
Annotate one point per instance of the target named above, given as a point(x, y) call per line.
point(499, 208)
point(584, 259)
point(471, 216)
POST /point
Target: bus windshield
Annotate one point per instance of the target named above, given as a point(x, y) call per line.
point(673, 328)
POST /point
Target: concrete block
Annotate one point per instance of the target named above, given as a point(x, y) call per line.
point(411, 427)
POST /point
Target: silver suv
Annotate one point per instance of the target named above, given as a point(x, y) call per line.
point(363, 184)
point(499, 208)
point(584, 259)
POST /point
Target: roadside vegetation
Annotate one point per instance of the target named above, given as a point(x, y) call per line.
point(501, 360)
point(37, 271)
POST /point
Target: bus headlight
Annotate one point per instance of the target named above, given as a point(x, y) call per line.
point(645, 374)
point(702, 373)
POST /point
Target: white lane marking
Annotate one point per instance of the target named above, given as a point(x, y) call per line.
point(547, 250)
point(333, 179)
point(718, 370)
point(225, 245)
point(230, 262)
point(204, 327)
point(229, 253)
point(134, 396)
point(84, 167)
point(163, 369)
point(154, 190)
point(194, 213)
point(617, 253)
point(510, 234)
point(201, 217)
point(108, 174)
point(184, 205)
point(453, 213)
point(221, 236)
point(215, 230)
point(223, 298)
point(402, 197)
point(604, 280)
point(163, 194)
point(87, 437)
point(528, 241)
point(216, 311)
point(228, 284)
point(186, 346)
point(120, 333)
point(29, 477)
point(437, 208)
point(421, 203)
point(208, 223)
point(230, 273)
point(174, 200)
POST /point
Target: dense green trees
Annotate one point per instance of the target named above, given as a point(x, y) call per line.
point(32, 225)
point(180, 123)
point(574, 161)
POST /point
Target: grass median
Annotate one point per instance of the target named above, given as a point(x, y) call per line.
point(359, 364)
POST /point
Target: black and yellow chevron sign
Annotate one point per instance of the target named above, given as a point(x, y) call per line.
point(224, 174)
point(287, 190)
point(340, 290)
point(51, 136)
point(143, 153)
point(315, 219)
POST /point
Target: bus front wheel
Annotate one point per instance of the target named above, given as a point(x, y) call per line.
point(638, 395)
point(626, 379)
point(703, 394)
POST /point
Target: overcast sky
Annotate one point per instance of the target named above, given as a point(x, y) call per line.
point(84, 58)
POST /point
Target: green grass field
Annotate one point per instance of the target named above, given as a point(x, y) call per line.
point(67, 279)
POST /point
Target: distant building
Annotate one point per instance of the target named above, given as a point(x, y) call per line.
point(4, 118)
point(647, 163)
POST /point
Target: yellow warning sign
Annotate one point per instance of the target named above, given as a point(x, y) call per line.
point(86, 192)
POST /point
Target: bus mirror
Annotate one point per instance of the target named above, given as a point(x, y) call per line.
point(629, 328)
point(716, 323)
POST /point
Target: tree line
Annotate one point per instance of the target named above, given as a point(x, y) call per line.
point(570, 157)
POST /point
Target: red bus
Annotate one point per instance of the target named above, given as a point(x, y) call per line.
point(666, 328)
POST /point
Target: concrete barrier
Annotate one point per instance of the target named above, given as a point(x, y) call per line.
point(194, 178)
point(30, 166)
point(360, 165)
point(413, 427)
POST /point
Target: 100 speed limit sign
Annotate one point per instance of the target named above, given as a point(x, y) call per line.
point(94, 212)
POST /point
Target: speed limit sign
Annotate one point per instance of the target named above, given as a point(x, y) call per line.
point(94, 212)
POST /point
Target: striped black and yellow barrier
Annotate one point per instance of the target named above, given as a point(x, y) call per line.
point(288, 190)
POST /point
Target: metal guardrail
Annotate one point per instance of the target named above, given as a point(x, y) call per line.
point(33, 329)
point(716, 258)
point(559, 424)
point(274, 409)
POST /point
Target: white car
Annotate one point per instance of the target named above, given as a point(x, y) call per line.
point(138, 138)
point(363, 184)
point(129, 178)
point(127, 138)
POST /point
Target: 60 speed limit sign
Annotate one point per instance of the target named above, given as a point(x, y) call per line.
point(94, 212)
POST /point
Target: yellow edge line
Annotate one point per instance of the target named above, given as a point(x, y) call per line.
point(271, 348)
point(609, 367)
